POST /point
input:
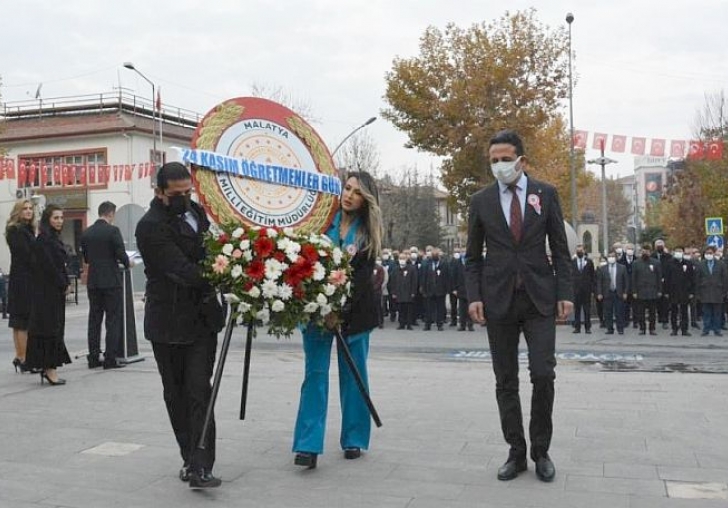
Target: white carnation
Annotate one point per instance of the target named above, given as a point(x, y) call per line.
point(343, 300)
point(245, 245)
point(310, 307)
point(319, 272)
point(277, 306)
point(263, 315)
point(337, 255)
point(285, 292)
point(273, 269)
point(269, 289)
point(244, 307)
point(289, 232)
point(325, 309)
point(248, 255)
point(323, 253)
point(292, 257)
point(227, 249)
point(254, 292)
point(321, 299)
point(329, 289)
point(238, 233)
point(283, 243)
point(272, 233)
point(236, 272)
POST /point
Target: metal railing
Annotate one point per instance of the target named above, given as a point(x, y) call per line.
point(97, 104)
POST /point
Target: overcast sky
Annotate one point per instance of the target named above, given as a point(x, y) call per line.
point(643, 66)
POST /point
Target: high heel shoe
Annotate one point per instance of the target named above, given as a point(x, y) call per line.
point(44, 377)
point(306, 459)
point(17, 364)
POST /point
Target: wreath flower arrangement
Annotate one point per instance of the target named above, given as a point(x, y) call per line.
point(277, 276)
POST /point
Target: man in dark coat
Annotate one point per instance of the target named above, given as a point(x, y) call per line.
point(103, 250)
point(182, 315)
point(452, 267)
point(436, 275)
point(611, 288)
point(461, 292)
point(646, 288)
point(517, 290)
point(663, 303)
point(4, 294)
point(680, 287)
point(584, 276)
point(711, 284)
point(403, 286)
point(627, 259)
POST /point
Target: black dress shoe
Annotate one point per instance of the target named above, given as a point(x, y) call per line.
point(545, 469)
point(642, 332)
point(589, 330)
point(400, 327)
point(439, 328)
point(687, 334)
point(511, 468)
point(114, 365)
point(203, 480)
point(609, 332)
point(620, 332)
point(409, 328)
point(653, 332)
point(184, 473)
point(470, 328)
point(306, 459)
point(673, 333)
point(352, 453)
point(93, 361)
point(461, 328)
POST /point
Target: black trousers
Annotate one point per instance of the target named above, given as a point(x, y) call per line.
point(435, 310)
point(186, 371)
point(613, 311)
point(642, 307)
point(582, 302)
point(503, 337)
point(108, 302)
point(679, 310)
point(463, 314)
point(663, 309)
point(406, 313)
point(454, 314)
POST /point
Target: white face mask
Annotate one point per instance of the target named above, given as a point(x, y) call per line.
point(618, 250)
point(413, 255)
point(602, 263)
point(378, 262)
point(611, 260)
point(402, 263)
point(506, 172)
point(709, 257)
point(678, 256)
point(630, 252)
point(385, 257)
point(456, 255)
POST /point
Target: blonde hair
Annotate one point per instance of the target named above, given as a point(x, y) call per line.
point(14, 220)
point(370, 236)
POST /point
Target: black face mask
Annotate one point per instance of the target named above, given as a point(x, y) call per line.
point(179, 204)
point(580, 254)
point(645, 256)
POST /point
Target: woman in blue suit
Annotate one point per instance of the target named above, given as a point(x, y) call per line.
point(356, 228)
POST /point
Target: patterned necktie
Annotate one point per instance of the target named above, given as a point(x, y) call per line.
point(516, 215)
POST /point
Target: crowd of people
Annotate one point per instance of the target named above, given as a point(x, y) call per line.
point(679, 289)
point(416, 285)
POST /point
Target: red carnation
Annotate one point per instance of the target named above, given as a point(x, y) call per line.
point(298, 291)
point(223, 238)
point(310, 252)
point(248, 286)
point(279, 256)
point(264, 247)
point(303, 267)
point(255, 270)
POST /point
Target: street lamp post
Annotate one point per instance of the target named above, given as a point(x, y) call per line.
point(368, 122)
point(572, 156)
point(130, 66)
point(603, 161)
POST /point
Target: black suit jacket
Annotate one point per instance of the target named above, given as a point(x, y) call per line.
point(584, 280)
point(103, 250)
point(492, 280)
point(604, 280)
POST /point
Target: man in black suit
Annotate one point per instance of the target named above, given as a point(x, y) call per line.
point(182, 315)
point(646, 288)
point(680, 288)
point(517, 290)
point(583, 270)
point(103, 252)
point(435, 287)
point(628, 259)
point(663, 303)
point(612, 286)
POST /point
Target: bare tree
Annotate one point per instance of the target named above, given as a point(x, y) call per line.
point(712, 121)
point(300, 105)
point(359, 153)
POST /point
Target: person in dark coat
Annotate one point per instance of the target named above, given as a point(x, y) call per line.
point(611, 288)
point(46, 348)
point(4, 293)
point(680, 287)
point(452, 266)
point(103, 250)
point(403, 288)
point(663, 303)
point(584, 276)
point(182, 316)
point(379, 283)
point(357, 227)
point(627, 259)
point(711, 284)
point(461, 292)
point(20, 237)
point(435, 288)
point(515, 289)
point(646, 288)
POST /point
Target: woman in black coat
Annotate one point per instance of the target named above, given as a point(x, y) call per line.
point(20, 238)
point(46, 349)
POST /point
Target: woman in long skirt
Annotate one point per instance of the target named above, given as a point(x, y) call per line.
point(46, 348)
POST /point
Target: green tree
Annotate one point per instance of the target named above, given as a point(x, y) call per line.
point(467, 84)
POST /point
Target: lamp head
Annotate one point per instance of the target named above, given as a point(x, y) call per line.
point(371, 120)
point(569, 17)
point(129, 65)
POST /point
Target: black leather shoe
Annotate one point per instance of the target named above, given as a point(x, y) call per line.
point(203, 480)
point(642, 332)
point(511, 468)
point(306, 459)
point(545, 469)
point(352, 453)
point(184, 474)
point(687, 334)
point(653, 332)
point(673, 333)
point(114, 365)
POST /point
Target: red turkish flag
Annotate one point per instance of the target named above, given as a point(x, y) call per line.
point(92, 175)
point(638, 146)
point(9, 169)
point(21, 175)
point(677, 148)
point(619, 143)
point(600, 140)
point(56, 175)
point(580, 139)
point(714, 150)
point(128, 170)
point(64, 174)
point(32, 172)
point(696, 150)
point(657, 148)
point(43, 175)
point(83, 175)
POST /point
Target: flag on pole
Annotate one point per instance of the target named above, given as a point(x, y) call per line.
point(657, 148)
point(600, 140)
point(638, 146)
point(619, 143)
point(580, 139)
point(714, 150)
point(677, 148)
point(696, 150)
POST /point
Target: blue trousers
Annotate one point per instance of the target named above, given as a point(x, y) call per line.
point(311, 420)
